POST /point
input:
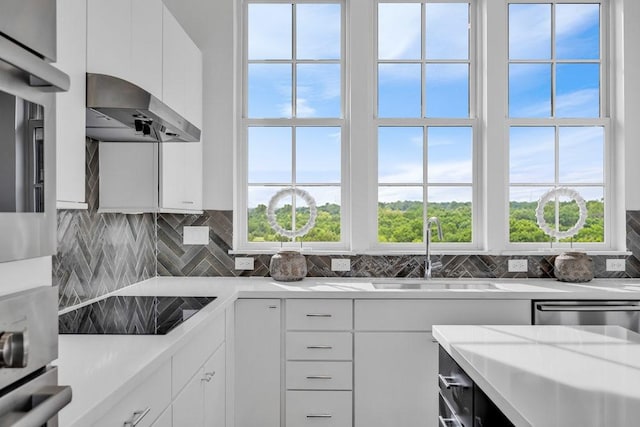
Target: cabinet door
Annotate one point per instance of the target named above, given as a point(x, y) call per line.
point(257, 363)
point(70, 106)
point(214, 389)
point(395, 379)
point(146, 45)
point(188, 406)
point(181, 176)
point(109, 37)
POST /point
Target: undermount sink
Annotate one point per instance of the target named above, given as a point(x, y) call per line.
point(431, 285)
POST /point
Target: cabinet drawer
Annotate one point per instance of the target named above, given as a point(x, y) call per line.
point(319, 314)
point(319, 375)
point(319, 408)
point(456, 387)
point(195, 352)
point(145, 403)
point(421, 315)
point(319, 346)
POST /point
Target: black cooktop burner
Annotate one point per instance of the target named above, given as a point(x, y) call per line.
point(131, 315)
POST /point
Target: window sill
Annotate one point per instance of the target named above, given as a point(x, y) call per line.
point(541, 252)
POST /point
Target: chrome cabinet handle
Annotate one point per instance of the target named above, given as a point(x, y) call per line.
point(319, 377)
point(137, 417)
point(449, 382)
point(319, 315)
point(319, 416)
point(547, 307)
point(187, 202)
point(448, 422)
point(208, 376)
point(273, 306)
point(319, 347)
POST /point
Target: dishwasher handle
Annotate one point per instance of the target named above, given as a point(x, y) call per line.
point(591, 308)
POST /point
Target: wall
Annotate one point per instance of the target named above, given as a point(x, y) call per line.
point(100, 253)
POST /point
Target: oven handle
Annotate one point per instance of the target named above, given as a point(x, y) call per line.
point(47, 402)
point(549, 307)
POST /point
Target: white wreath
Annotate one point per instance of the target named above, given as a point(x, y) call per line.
point(271, 214)
point(551, 195)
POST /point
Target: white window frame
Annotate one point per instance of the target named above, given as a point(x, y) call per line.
point(491, 132)
point(428, 122)
point(240, 234)
point(603, 120)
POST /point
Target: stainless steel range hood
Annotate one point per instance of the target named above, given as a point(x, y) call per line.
point(119, 111)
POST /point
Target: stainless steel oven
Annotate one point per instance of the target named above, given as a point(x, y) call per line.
point(29, 392)
point(28, 83)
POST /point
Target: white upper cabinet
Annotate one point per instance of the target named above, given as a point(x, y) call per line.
point(124, 40)
point(181, 70)
point(70, 106)
point(181, 178)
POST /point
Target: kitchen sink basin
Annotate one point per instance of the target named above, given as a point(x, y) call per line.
point(430, 285)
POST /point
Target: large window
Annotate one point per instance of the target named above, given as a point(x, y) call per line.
point(557, 118)
point(293, 118)
point(425, 120)
point(389, 112)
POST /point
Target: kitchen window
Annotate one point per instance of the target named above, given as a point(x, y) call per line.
point(468, 109)
point(425, 122)
point(558, 124)
point(293, 125)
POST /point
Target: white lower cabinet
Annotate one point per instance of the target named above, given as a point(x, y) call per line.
point(258, 360)
point(320, 408)
point(188, 407)
point(142, 406)
point(165, 420)
point(215, 389)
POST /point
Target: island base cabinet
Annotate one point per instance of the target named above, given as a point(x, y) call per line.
point(165, 419)
point(188, 407)
point(258, 356)
point(215, 389)
point(394, 379)
point(319, 408)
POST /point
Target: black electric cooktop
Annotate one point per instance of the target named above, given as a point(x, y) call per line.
point(131, 315)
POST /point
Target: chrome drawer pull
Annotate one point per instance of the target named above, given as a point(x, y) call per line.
point(319, 315)
point(319, 416)
point(137, 417)
point(319, 347)
point(319, 377)
point(448, 422)
point(208, 376)
point(595, 307)
point(449, 382)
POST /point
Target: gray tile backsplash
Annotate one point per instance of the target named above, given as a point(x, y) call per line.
point(98, 253)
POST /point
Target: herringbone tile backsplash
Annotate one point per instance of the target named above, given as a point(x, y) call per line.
point(99, 253)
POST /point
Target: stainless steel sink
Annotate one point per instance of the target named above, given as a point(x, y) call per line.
point(430, 285)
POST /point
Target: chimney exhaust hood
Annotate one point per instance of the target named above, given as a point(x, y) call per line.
point(119, 111)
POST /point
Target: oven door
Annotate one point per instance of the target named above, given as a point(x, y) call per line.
point(36, 403)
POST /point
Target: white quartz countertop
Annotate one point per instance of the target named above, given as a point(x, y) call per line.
point(103, 368)
point(548, 376)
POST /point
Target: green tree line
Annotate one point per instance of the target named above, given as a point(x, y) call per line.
point(402, 221)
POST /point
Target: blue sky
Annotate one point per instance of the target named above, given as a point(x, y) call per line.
point(446, 95)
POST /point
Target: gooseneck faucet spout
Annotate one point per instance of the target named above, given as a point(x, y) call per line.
point(428, 265)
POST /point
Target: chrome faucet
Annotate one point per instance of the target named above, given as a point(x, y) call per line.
point(428, 265)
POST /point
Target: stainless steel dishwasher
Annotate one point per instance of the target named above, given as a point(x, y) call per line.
point(620, 313)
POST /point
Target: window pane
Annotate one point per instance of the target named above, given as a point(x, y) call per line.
point(578, 90)
point(269, 31)
point(400, 155)
point(400, 214)
point(318, 31)
point(593, 230)
point(269, 90)
point(327, 228)
point(447, 31)
point(447, 90)
point(523, 226)
point(531, 155)
point(529, 31)
point(578, 31)
point(529, 90)
point(258, 228)
point(399, 30)
point(318, 90)
point(452, 206)
point(450, 154)
point(318, 154)
point(269, 156)
point(581, 154)
point(399, 87)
